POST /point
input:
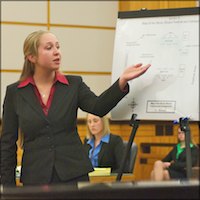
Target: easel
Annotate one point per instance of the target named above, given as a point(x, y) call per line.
point(184, 125)
point(134, 123)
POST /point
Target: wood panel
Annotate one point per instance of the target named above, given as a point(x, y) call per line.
point(182, 4)
point(162, 4)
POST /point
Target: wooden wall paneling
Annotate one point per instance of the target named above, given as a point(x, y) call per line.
point(116, 129)
point(182, 4)
point(82, 130)
point(124, 5)
point(164, 4)
point(137, 5)
point(19, 156)
point(149, 5)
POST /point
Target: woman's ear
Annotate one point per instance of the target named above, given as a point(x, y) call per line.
point(32, 58)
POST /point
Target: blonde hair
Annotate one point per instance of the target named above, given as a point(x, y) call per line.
point(106, 127)
point(30, 47)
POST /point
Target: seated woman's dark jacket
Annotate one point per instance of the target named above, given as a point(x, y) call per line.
point(111, 153)
point(179, 163)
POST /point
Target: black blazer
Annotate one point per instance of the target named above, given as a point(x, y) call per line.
point(111, 153)
point(50, 141)
point(178, 168)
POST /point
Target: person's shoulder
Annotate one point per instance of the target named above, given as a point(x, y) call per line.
point(195, 147)
point(115, 137)
point(173, 150)
point(13, 85)
point(73, 78)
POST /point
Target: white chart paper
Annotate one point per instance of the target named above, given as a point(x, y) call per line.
point(170, 88)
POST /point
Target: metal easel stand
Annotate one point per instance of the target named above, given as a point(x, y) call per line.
point(184, 125)
point(134, 123)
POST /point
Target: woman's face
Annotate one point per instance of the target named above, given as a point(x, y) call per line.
point(181, 135)
point(49, 54)
point(95, 124)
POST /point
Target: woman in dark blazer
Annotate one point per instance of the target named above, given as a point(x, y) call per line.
point(173, 166)
point(43, 105)
point(103, 148)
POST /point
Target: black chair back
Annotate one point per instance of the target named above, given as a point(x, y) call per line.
point(129, 168)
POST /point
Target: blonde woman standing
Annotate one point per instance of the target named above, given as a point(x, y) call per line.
point(43, 105)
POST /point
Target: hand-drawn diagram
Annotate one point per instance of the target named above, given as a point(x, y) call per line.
point(170, 88)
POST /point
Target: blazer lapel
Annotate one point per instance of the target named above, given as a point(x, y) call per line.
point(101, 153)
point(28, 94)
point(59, 99)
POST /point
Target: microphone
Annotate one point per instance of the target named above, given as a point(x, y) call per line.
point(176, 121)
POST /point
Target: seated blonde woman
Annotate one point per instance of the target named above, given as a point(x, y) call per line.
point(104, 148)
point(173, 166)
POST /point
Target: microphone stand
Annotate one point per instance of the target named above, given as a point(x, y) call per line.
point(134, 123)
point(184, 125)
